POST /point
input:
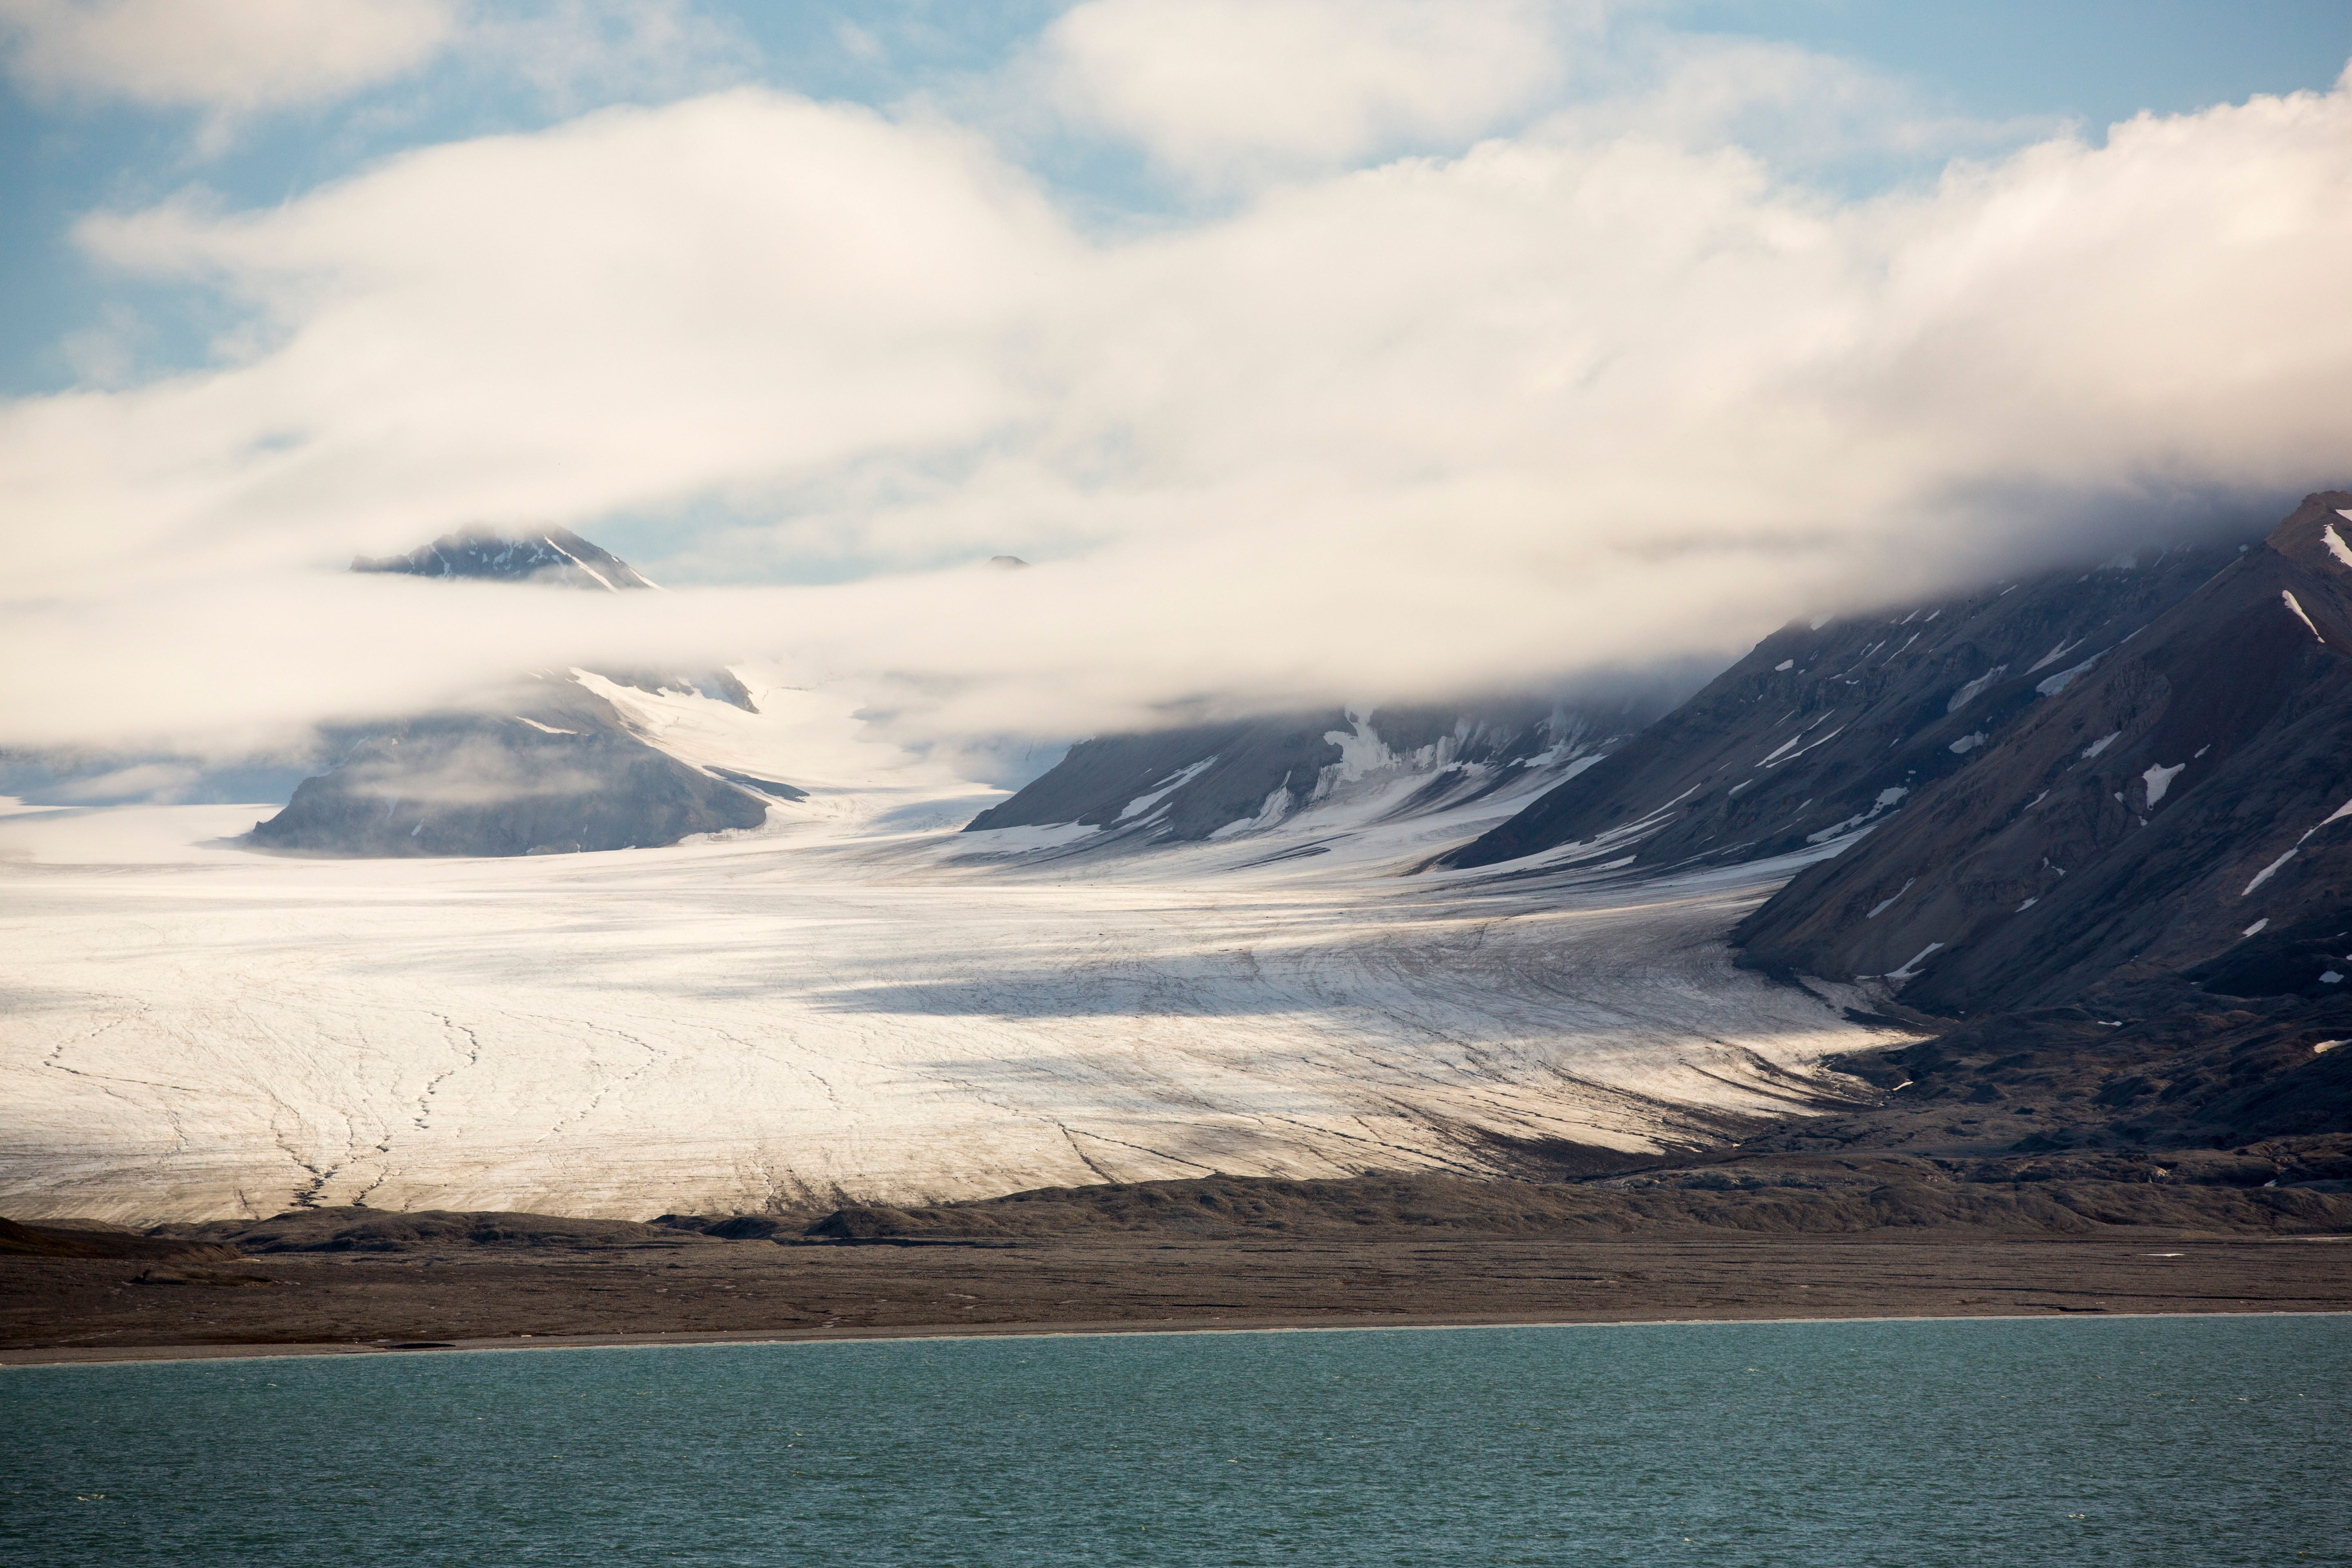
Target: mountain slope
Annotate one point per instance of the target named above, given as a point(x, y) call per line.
point(1833, 726)
point(1218, 781)
point(561, 773)
point(2186, 803)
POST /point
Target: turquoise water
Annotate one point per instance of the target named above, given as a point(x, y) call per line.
point(2193, 1441)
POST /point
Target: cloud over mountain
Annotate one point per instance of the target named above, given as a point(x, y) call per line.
point(1586, 395)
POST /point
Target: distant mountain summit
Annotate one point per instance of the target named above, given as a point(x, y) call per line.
point(546, 765)
point(554, 555)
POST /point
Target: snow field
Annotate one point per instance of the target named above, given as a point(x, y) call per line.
point(853, 1002)
point(781, 1019)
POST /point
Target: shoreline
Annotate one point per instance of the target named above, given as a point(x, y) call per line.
point(179, 1355)
point(437, 1293)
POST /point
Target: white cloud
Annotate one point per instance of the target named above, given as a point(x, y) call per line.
point(1226, 92)
point(141, 781)
point(638, 305)
point(233, 60)
point(1557, 404)
point(574, 53)
point(1800, 109)
point(225, 56)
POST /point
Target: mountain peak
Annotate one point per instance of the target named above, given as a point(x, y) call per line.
point(2318, 533)
point(539, 555)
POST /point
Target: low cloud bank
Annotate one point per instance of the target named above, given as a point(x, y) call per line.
point(1573, 400)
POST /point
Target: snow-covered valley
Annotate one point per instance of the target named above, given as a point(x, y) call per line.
point(854, 1001)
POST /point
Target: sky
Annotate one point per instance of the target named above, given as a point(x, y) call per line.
point(1314, 350)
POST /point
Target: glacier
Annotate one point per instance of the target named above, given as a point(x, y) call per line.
point(853, 1003)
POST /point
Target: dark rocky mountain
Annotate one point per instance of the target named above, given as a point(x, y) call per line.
point(1829, 727)
point(546, 767)
point(2103, 817)
point(2182, 805)
point(561, 773)
point(554, 555)
point(1201, 781)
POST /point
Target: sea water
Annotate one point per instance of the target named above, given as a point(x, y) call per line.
point(2193, 1441)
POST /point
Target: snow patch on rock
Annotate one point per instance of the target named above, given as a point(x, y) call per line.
point(1910, 970)
point(2054, 654)
point(2053, 685)
point(1165, 788)
point(1880, 907)
point(1974, 689)
point(1887, 800)
point(2336, 545)
point(2267, 872)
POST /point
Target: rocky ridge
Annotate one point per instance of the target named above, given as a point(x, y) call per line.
point(1833, 726)
point(2183, 805)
